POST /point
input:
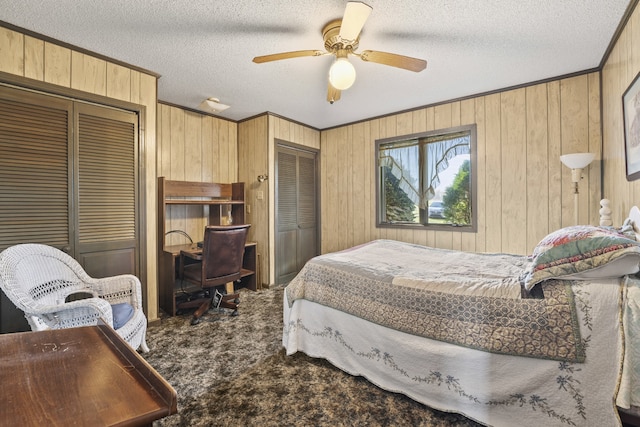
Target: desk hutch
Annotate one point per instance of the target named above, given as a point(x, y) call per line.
point(219, 198)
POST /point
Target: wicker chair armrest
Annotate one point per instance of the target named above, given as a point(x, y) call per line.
point(118, 289)
point(77, 313)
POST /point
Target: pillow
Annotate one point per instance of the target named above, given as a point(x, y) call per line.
point(634, 221)
point(583, 252)
point(121, 314)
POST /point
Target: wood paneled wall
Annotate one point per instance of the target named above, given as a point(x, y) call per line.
point(622, 65)
point(194, 147)
point(253, 160)
point(524, 191)
point(45, 61)
point(256, 148)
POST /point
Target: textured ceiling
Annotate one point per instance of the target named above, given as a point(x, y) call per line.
point(204, 48)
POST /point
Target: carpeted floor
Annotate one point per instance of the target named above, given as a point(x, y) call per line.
point(232, 371)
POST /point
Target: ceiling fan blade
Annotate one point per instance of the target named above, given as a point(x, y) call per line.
point(394, 60)
point(333, 94)
point(355, 15)
point(287, 55)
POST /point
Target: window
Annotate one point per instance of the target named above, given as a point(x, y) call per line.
point(427, 180)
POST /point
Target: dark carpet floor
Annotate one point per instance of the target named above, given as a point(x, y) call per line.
point(232, 371)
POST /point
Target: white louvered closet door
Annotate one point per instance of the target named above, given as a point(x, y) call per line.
point(296, 211)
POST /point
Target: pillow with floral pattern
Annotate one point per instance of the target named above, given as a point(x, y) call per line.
point(583, 252)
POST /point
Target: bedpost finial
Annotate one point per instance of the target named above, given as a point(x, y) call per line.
point(605, 213)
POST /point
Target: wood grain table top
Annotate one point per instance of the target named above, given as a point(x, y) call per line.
point(79, 376)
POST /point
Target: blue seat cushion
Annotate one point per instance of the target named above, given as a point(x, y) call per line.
point(122, 313)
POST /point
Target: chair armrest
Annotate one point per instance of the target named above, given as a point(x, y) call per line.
point(83, 312)
point(193, 255)
point(118, 289)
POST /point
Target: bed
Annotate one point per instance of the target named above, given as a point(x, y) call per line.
point(549, 339)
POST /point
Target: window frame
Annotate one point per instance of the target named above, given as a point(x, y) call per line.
point(473, 227)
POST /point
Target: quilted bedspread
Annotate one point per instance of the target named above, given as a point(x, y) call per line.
point(468, 299)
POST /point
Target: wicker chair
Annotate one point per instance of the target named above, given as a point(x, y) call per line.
point(45, 283)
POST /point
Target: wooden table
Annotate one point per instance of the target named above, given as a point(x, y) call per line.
point(84, 376)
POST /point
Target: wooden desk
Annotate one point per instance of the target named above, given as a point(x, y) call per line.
point(170, 286)
point(84, 376)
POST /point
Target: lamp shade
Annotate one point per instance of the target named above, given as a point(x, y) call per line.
point(342, 74)
point(577, 160)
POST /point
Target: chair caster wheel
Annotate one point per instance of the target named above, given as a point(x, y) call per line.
point(195, 321)
point(236, 301)
point(235, 313)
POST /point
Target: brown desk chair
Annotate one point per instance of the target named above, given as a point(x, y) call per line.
point(220, 263)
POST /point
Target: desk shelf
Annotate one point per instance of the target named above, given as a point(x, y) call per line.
point(191, 193)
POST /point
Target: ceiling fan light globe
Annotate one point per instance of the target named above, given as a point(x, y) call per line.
point(342, 74)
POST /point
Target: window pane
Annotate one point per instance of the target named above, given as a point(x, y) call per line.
point(400, 172)
point(451, 203)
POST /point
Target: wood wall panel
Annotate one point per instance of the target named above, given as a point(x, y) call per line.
point(513, 168)
point(118, 82)
point(521, 182)
point(33, 58)
point(537, 158)
point(57, 61)
point(620, 68)
point(493, 176)
point(11, 51)
point(45, 61)
point(88, 74)
point(594, 145)
point(194, 147)
point(554, 138)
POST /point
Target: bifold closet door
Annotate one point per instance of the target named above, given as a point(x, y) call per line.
point(296, 211)
point(106, 243)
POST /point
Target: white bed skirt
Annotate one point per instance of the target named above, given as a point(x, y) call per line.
point(489, 388)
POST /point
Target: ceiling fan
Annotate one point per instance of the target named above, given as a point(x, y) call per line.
point(341, 38)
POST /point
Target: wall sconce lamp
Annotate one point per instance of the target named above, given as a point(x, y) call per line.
point(576, 162)
point(262, 178)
